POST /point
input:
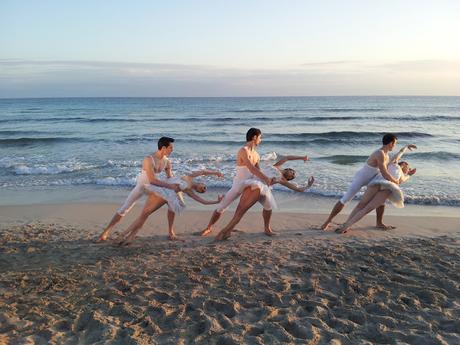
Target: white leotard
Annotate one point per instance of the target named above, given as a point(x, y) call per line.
point(141, 180)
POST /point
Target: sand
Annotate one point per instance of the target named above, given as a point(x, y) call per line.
point(302, 287)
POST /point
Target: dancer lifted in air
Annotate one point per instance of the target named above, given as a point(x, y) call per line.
point(377, 162)
point(152, 166)
point(254, 190)
point(247, 167)
point(380, 189)
point(158, 196)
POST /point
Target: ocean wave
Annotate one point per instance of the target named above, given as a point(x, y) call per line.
point(53, 169)
point(346, 110)
point(343, 159)
point(348, 134)
point(115, 181)
point(21, 132)
point(352, 159)
point(428, 200)
point(33, 141)
point(218, 120)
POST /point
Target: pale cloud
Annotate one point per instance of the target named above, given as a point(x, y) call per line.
point(423, 65)
point(61, 78)
point(329, 63)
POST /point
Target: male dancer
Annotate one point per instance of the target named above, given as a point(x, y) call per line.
point(247, 166)
point(152, 165)
point(256, 191)
point(377, 162)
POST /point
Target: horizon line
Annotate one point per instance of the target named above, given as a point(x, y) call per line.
point(304, 96)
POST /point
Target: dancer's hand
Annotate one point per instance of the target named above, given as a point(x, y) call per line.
point(219, 174)
point(311, 180)
point(305, 158)
point(411, 147)
point(220, 197)
point(412, 172)
point(176, 187)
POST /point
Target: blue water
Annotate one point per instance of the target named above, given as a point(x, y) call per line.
point(77, 143)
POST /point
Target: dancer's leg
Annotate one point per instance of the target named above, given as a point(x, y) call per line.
point(229, 197)
point(248, 199)
point(214, 218)
point(115, 219)
point(335, 211)
point(366, 198)
point(129, 203)
point(267, 215)
point(361, 179)
point(171, 234)
point(378, 200)
point(379, 219)
point(152, 204)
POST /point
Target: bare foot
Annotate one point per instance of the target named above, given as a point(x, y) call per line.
point(173, 237)
point(270, 232)
point(325, 226)
point(103, 237)
point(206, 232)
point(385, 227)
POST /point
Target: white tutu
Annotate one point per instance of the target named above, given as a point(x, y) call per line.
point(175, 200)
point(396, 197)
point(266, 196)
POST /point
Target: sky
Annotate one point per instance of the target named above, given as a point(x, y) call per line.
point(147, 48)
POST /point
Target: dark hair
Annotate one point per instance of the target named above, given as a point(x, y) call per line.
point(292, 171)
point(252, 132)
point(403, 162)
point(389, 138)
point(164, 142)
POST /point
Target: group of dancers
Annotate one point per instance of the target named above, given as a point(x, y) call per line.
point(381, 174)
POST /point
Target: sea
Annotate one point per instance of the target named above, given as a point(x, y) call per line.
point(55, 150)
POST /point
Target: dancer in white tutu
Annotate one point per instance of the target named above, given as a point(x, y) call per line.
point(152, 166)
point(375, 164)
point(380, 189)
point(158, 196)
point(254, 190)
point(247, 167)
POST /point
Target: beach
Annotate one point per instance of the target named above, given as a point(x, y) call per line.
point(66, 165)
point(303, 286)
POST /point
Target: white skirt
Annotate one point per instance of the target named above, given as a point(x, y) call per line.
point(396, 197)
point(175, 200)
point(266, 196)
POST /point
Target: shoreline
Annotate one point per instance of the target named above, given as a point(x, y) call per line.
point(94, 216)
point(287, 201)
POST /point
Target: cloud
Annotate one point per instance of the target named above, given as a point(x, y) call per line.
point(71, 78)
point(422, 65)
point(329, 63)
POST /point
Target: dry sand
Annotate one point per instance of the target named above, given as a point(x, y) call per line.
point(302, 287)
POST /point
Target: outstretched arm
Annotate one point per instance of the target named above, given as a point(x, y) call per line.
point(206, 173)
point(293, 187)
point(290, 158)
point(395, 159)
point(201, 200)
